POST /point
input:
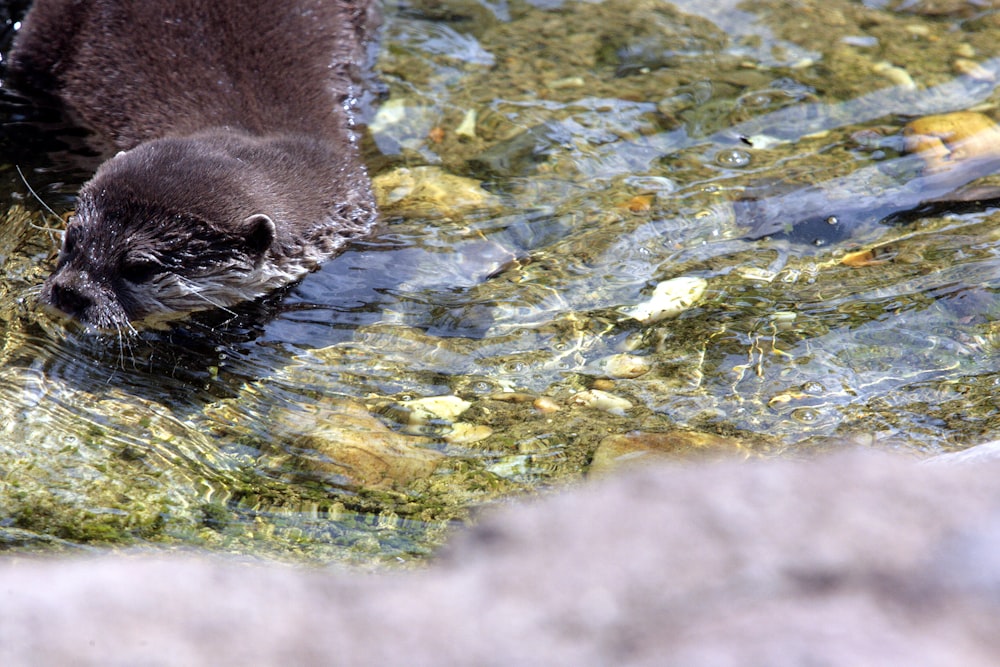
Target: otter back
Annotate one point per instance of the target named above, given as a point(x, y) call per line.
point(237, 169)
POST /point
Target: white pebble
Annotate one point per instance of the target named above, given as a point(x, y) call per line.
point(626, 366)
point(434, 408)
point(467, 128)
point(896, 75)
point(602, 400)
point(463, 433)
point(670, 299)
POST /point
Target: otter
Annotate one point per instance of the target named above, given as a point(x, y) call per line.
point(233, 163)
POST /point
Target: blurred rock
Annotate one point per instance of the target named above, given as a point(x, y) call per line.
point(853, 559)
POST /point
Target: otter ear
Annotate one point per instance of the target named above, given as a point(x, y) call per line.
point(258, 233)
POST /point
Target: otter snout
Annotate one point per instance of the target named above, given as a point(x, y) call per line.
point(76, 295)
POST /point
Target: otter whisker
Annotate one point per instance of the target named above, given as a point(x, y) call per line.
point(194, 291)
point(124, 342)
point(232, 314)
point(51, 231)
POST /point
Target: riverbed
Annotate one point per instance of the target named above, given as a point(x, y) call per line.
point(546, 171)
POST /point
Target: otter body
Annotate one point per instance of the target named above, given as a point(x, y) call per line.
point(235, 168)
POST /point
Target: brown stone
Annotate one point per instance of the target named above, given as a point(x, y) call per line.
point(640, 448)
point(945, 140)
point(346, 441)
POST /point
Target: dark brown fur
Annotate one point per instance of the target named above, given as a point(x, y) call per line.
point(240, 171)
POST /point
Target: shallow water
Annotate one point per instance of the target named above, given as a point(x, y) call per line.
point(611, 140)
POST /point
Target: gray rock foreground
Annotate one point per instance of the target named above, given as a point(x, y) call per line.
point(853, 559)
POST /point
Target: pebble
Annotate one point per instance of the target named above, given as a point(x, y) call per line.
point(669, 299)
point(972, 69)
point(568, 82)
point(602, 400)
point(626, 366)
point(756, 273)
point(422, 411)
point(463, 433)
point(897, 75)
point(467, 128)
point(546, 404)
point(965, 50)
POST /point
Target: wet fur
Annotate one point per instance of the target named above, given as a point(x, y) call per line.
point(239, 171)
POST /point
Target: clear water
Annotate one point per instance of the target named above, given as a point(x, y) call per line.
point(615, 138)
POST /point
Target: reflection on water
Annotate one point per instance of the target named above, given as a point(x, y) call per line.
point(619, 144)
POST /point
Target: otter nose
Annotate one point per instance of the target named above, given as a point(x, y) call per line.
point(69, 299)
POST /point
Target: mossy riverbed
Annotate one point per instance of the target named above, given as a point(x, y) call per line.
point(542, 167)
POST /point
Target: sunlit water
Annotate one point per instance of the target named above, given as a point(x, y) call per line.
point(614, 138)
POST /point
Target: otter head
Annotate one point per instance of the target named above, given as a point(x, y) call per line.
point(165, 229)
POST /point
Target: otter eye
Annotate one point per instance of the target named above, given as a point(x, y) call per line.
point(139, 271)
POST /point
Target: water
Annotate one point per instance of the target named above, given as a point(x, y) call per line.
point(610, 141)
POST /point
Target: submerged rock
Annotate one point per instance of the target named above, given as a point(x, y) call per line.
point(463, 433)
point(436, 417)
point(946, 155)
point(670, 299)
point(616, 451)
point(346, 444)
point(626, 365)
point(521, 154)
point(602, 400)
point(421, 411)
point(429, 191)
point(945, 140)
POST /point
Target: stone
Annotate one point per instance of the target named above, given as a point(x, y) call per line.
point(343, 442)
point(429, 192)
point(857, 558)
point(629, 449)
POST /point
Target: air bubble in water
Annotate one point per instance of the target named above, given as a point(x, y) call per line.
point(732, 158)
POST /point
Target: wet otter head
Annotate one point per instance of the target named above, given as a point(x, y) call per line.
point(170, 227)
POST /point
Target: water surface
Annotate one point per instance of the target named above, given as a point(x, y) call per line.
point(610, 141)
